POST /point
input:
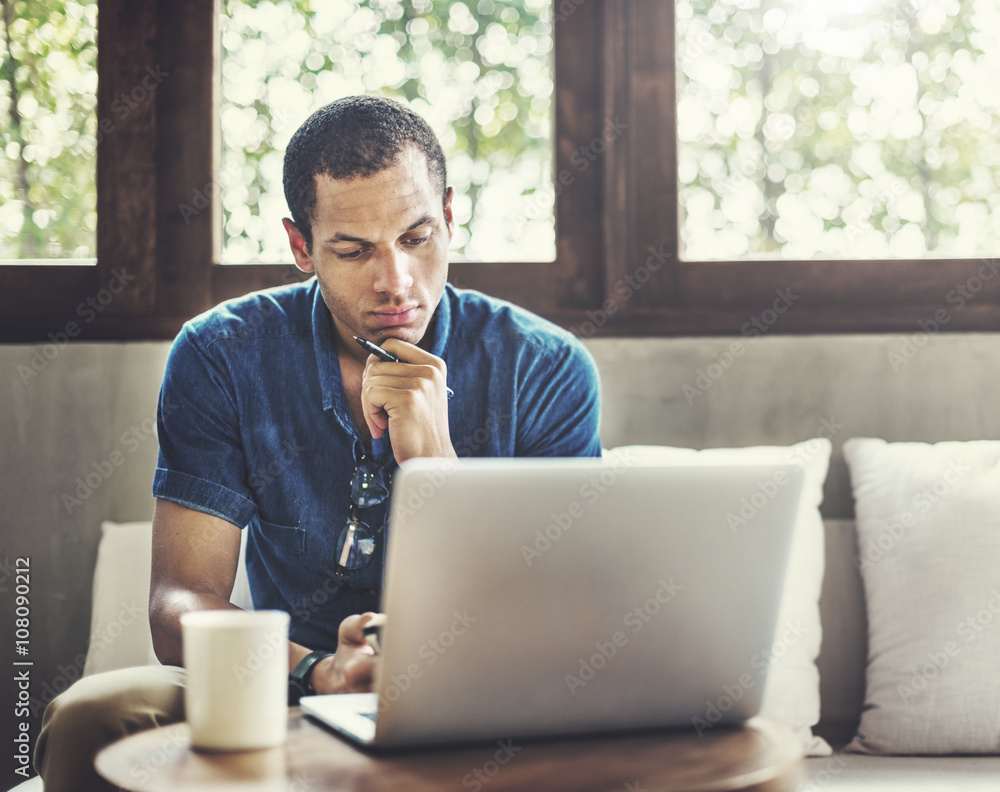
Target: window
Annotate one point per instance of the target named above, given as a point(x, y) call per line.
point(615, 177)
point(479, 71)
point(832, 130)
point(49, 131)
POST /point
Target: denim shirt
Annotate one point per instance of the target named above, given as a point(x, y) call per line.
point(254, 427)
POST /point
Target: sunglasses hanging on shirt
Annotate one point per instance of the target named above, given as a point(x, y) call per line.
point(356, 543)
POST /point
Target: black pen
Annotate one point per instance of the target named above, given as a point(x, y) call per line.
point(388, 357)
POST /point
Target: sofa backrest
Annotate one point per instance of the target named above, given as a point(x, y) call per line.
point(696, 392)
point(843, 654)
point(121, 637)
point(70, 412)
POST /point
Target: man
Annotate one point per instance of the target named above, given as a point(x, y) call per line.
point(273, 418)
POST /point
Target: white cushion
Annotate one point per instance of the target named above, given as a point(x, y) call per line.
point(119, 625)
point(792, 693)
point(928, 521)
point(119, 622)
point(241, 585)
point(855, 773)
point(31, 785)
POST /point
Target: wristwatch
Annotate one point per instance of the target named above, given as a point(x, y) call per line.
point(299, 681)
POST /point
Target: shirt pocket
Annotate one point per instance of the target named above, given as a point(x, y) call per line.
point(285, 544)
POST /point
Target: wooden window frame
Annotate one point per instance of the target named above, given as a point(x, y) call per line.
point(616, 272)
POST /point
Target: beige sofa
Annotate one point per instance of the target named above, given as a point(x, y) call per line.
point(782, 389)
point(786, 389)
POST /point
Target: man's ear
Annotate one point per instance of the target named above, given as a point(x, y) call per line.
point(449, 218)
point(297, 242)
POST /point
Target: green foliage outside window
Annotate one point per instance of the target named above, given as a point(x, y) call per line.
point(48, 127)
point(806, 128)
point(856, 129)
point(480, 72)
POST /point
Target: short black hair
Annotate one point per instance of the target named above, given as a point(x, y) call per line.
point(357, 136)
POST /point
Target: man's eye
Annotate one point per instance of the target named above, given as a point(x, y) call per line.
point(414, 241)
point(350, 255)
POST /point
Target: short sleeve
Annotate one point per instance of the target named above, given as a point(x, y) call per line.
point(201, 461)
point(559, 406)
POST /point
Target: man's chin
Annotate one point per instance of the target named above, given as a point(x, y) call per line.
point(408, 333)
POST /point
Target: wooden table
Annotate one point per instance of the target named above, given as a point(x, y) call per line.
point(759, 756)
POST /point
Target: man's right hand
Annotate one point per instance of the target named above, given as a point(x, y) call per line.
point(352, 668)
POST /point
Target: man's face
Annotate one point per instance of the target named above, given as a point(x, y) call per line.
point(380, 251)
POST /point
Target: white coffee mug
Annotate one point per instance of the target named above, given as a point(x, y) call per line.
point(237, 678)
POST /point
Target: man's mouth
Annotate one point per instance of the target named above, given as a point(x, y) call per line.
point(394, 317)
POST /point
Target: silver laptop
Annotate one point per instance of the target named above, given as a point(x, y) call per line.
point(543, 597)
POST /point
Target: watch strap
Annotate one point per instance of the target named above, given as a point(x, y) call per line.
point(300, 679)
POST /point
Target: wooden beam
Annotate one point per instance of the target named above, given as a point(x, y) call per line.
point(188, 182)
point(129, 80)
point(617, 155)
point(653, 168)
point(577, 277)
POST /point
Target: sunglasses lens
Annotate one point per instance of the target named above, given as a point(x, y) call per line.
point(368, 487)
point(355, 546)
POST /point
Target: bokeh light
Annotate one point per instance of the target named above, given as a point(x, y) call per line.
point(479, 71)
point(849, 129)
point(49, 132)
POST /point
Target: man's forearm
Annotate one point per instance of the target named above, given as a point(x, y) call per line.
point(321, 671)
point(165, 621)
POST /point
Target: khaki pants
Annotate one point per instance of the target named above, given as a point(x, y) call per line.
point(96, 711)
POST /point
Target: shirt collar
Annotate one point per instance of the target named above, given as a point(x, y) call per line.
point(440, 327)
point(327, 362)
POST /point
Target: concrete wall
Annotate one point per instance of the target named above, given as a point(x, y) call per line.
point(782, 389)
point(78, 447)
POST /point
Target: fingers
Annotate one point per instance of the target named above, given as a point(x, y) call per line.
point(411, 397)
point(355, 659)
point(359, 673)
point(352, 629)
point(403, 376)
point(410, 390)
point(408, 353)
point(372, 618)
point(400, 389)
point(415, 363)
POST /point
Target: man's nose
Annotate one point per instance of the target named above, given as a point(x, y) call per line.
point(393, 272)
